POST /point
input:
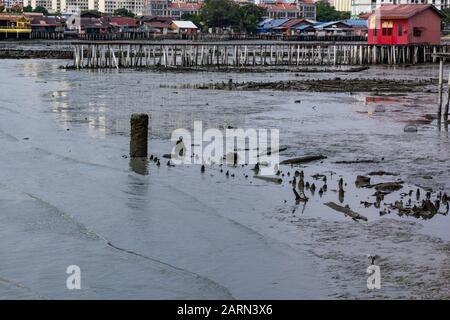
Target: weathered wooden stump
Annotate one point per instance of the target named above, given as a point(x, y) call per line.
point(139, 135)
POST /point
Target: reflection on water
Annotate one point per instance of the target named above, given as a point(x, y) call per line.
point(139, 165)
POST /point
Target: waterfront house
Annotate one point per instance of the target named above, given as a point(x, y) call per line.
point(184, 27)
point(14, 26)
point(155, 24)
point(289, 27)
point(333, 28)
point(359, 26)
point(47, 27)
point(267, 26)
point(121, 24)
point(405, 24)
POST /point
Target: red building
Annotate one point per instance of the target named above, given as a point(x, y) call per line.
point(405, 24)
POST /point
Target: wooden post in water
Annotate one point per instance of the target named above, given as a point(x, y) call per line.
point(448, 101)
point(441, 76)
point(139, 135)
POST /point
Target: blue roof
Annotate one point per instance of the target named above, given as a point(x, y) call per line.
point(273, 23)
point(327, 24)
point(263, 22)
point(356, 22)
point(303, 26)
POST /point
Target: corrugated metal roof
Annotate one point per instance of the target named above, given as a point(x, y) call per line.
point(402, 11)
point(274, 23)
point(185, 24)
point(356, 22)
point(329, 24)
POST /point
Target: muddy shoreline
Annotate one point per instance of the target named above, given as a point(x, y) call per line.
point(319, 85)
point(35, 54)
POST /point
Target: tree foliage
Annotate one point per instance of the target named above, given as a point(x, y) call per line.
point(326, 12)
point(195, 18)
point(446, 18)
point(227, 13)
point(220, 13)
point(122, 12)
point(28, 8)
point(250, 15)
point(42, 10)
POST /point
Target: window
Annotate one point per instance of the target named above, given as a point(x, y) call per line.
point(417, 32)
point(387, 31)
point(400, 30)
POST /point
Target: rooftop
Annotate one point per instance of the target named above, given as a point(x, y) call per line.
point(403, 11)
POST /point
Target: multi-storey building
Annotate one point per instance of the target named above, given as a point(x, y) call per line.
point(106, 6)
point(342, 5)
point(276, 9)
point(62, 5)
point(171, 9)
point(8, 4)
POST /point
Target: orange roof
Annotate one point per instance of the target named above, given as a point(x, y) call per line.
point(280, 6)
point(184, 6)
point(403, 11)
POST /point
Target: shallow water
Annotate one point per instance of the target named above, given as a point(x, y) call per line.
point(69, 197)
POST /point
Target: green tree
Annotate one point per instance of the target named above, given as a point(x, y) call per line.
point(197, 19)
point(220, 13)
point(445, 21)
point(250, 15)
point(326, 12)
point(42, 10)
point(122, 12)
point(28, 8)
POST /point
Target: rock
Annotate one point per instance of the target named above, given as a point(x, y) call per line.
point(388, 186)
point(410, 128)
point(362, 181)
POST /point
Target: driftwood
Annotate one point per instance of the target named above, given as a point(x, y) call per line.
point(298, 197)
point(345, 210)
point(304, 159)
point(269, 178)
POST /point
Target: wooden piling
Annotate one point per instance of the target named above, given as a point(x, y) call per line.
point(138, 135)
point(441, 77)
point(448, 101)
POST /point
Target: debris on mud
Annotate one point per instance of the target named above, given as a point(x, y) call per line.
point(346, 211)
point(319, 85)
point(381, 173)
point(388, 186)
point(357, 161)
point(270, 179)
point(362, 181)
point(304, 159)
